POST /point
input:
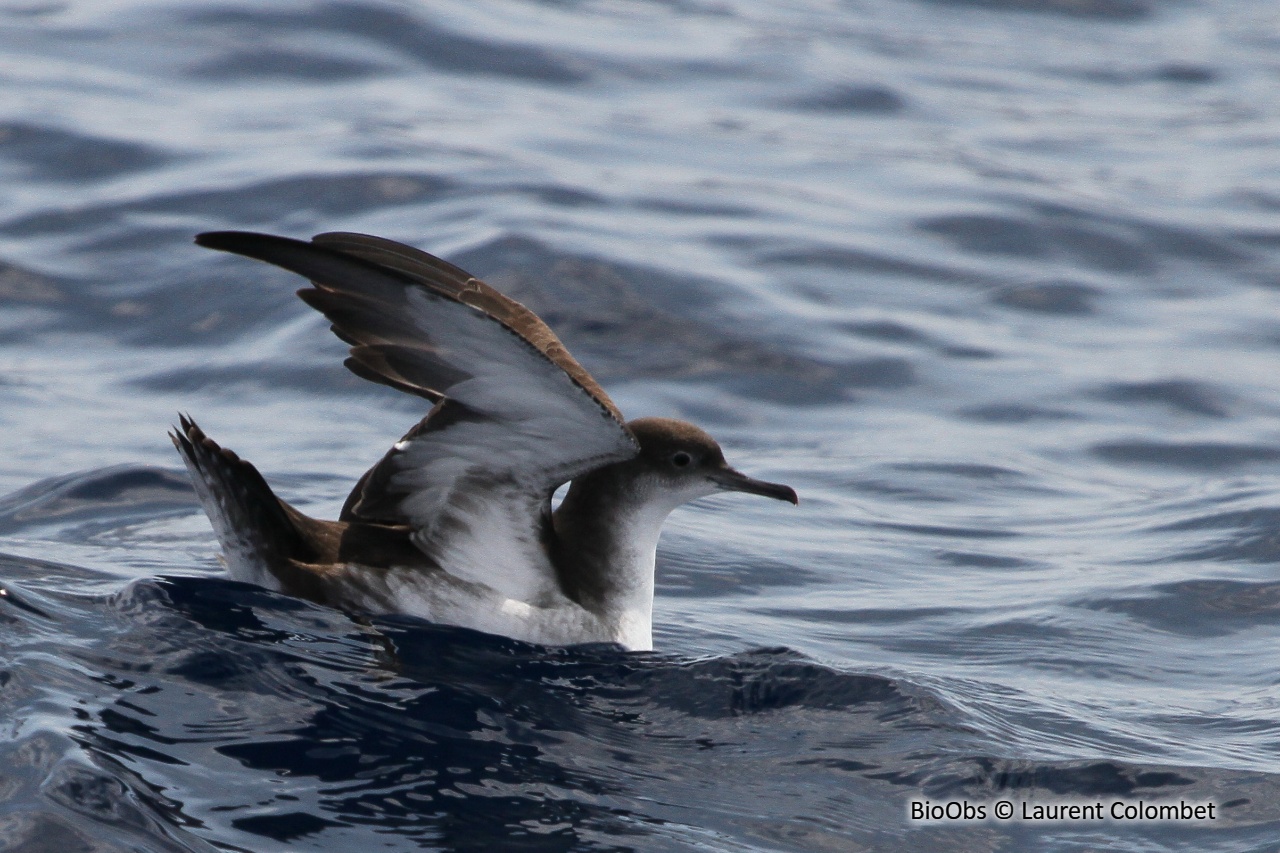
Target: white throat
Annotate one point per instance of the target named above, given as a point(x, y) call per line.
point(629, 610)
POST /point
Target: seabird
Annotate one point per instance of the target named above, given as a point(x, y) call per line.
point(455, 523)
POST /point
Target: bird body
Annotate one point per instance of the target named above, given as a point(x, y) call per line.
point(455, 523)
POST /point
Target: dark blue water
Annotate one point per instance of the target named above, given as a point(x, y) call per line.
point(993, 284)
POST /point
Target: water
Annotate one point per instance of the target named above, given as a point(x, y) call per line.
point(992, 283)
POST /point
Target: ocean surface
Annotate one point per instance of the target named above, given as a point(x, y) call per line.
point(994, 284)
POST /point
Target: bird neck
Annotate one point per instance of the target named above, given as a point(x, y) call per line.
point(607, 530)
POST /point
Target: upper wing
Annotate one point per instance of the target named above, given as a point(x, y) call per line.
point(516, 416)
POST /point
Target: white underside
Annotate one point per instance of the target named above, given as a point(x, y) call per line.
point(492, 580)
point(491, 586)
point(444, 598)
point(522, 601)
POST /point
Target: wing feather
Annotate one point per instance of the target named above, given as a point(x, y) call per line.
point(515, 414)
point(470, 290)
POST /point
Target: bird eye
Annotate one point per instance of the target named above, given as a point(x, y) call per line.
point(681, 459)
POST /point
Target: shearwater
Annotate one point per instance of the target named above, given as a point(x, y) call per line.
point(455, 522)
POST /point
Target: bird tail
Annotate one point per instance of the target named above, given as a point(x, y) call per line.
point(255, 529)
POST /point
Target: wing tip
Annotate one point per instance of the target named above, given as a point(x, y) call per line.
point(251, 244)
point(221, 240)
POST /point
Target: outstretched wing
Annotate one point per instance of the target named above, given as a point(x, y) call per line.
point(515, 415)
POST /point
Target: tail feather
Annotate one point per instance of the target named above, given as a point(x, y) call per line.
point(253, 525)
